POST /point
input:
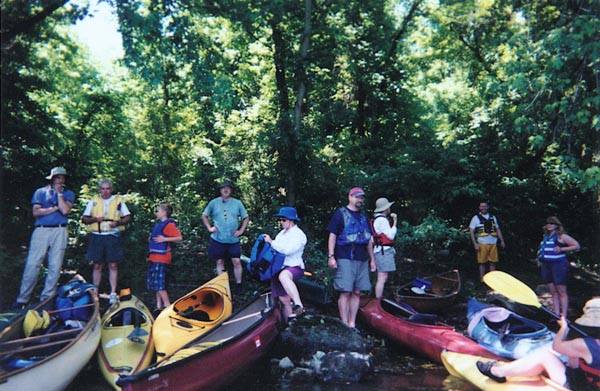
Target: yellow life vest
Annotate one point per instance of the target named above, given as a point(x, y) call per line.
point(113, 214)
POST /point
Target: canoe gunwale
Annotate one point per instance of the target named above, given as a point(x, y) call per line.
point(157, 369)
point(431, 302)
point(84, 333)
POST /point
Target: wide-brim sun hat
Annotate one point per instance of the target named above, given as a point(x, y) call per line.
point(288, 212)
point(226, 183)
point(57, 171)
point(591, 314)
point(382, 204)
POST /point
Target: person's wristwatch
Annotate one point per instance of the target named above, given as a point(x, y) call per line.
point(331, 255)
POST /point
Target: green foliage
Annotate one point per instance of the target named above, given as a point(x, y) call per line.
point(435, 105)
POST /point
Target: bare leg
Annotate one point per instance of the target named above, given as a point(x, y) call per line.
point(113, 272)
point(159, 303)
point(563, 299)
point(220, 266)
point(555, 298)
point(97, 274)
point(344, 307)
point(287, 306)
point(536, 363)
point(164, 298)
point(381, 279)
point(237, 269)
point(481, 271)
point(353, 308)
point(287, 281)
point(492, 266)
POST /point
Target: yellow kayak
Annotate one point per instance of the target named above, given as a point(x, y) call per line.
point(463, 366)
point(192, 315)
point(126, 344)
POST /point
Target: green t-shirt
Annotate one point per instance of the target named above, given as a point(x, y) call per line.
point(226, 216)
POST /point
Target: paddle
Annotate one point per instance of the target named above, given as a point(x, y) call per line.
point(516, 290)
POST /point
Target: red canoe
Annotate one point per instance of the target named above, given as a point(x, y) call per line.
point(418, 332)
point(217, 357)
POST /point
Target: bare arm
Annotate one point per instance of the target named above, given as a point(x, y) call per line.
point(500, 236)
point(371, 255)
point(63, 205)
point(38, 211)
point(575, 348)
point(475, 244)
point(122, 221)
point(206, 222)
point(331, 250)
point(241, 230)
point(162, 238)
point(89, 219)
point(573, 245)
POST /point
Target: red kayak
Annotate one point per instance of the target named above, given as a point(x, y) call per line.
point(217, 357)
point(422, 333)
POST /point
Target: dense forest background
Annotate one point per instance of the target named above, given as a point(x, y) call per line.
point(434, 104)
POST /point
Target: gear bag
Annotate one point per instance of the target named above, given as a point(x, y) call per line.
point(265, 262)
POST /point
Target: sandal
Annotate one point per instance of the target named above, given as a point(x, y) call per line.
point(297, 311)
point(486, 369)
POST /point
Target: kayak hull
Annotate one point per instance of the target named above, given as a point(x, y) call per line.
point(192, 315)
point(463, 366)
point(217, 357)
point(126, 345)
point(429, 340)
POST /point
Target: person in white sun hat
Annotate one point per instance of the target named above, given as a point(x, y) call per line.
point(384, 236)
point(583, 354)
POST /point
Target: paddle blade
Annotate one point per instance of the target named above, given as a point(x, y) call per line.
point(509, 286)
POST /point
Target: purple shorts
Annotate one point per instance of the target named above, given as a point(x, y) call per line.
point(555, 272)
point(276, 287)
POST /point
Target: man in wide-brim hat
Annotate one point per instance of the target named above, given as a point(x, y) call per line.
point(51, 205)
point(221, 217)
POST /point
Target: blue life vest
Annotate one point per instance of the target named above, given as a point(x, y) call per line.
point(265, 262)
point(548, 253)
point(74, 295)
point(356, 231)
point(155, 247)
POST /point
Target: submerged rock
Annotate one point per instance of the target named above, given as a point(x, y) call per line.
point(322, 348)
point(342, 367)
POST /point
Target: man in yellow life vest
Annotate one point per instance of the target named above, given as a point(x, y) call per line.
point(485, 233)
point(106, 216)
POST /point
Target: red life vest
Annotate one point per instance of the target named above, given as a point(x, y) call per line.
point(592, 375)
point(379, 238)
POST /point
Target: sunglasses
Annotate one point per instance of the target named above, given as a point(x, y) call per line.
point(282, 220)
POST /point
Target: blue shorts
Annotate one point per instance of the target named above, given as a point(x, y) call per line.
point(556, 273)
point(218, 250)
point(105, 248)
point(276, 287)
point(157, 276)
point(351, 275)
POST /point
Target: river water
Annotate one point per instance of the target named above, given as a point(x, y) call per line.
point(397, 370)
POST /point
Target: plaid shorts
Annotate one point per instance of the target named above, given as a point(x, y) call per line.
point(157, 276)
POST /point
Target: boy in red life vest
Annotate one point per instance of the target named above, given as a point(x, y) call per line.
point(384, 235)
point(164, 233)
